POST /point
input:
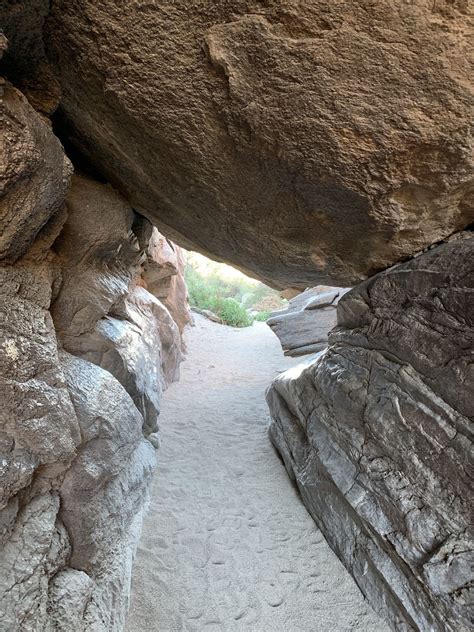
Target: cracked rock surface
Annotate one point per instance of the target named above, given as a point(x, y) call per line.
point(377, 434)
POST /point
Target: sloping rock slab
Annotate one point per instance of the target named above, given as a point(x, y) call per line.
point(376, 433)
point(208, 314)
point(303, 327)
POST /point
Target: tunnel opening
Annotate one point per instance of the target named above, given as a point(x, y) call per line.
point(341, 156)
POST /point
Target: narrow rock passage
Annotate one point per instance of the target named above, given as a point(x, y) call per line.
point(227, 544)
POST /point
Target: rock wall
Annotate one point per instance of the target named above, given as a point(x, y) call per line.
point(163, 276)
point(377, 434)
point(85, 352)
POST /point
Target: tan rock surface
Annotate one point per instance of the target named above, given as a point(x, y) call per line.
point(308, 142)
point(24, 58)
point(163, 276)
point(34, 174)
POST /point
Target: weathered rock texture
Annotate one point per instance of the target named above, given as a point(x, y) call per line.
point(85, 352)
point(38, 439)
point(21, 22)
point(303, 326)
point(101, 314)
point(104, 491)
point(163, 276)
point(308, 142)
point(377, 434)
point(34, 174)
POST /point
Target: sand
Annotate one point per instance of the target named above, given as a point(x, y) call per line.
point(227, 544)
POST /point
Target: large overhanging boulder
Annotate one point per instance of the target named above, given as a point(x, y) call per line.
point(307, 142)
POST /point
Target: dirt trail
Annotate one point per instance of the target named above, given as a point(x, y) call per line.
point(227, 544)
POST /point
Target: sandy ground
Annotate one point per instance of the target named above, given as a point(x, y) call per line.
point(227, 544)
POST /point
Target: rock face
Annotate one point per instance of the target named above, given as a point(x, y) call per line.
point(85, 353)
point(304, 325)
point(376, 433)
point(308, 142)
point(101, 314)
point(24, 59)
point(39, 430)
point(34, 174)
point(163, 276)
point(104, 491)
point(207, 313)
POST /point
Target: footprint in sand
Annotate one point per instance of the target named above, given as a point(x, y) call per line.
point(228, 546)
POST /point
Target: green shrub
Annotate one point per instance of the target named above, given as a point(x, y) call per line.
point(232, 313)
point(248, 299)
point(227, 297)
point(262, 316)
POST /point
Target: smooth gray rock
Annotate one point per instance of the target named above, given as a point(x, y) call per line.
point(376, 434)
point(140, 345)
point(303, 326)
point(105, 491)
point(101, 313)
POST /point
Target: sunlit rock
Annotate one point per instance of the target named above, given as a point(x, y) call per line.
point(303, 326)
point(163, 276)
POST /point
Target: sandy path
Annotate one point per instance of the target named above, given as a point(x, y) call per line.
point(227, 544)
